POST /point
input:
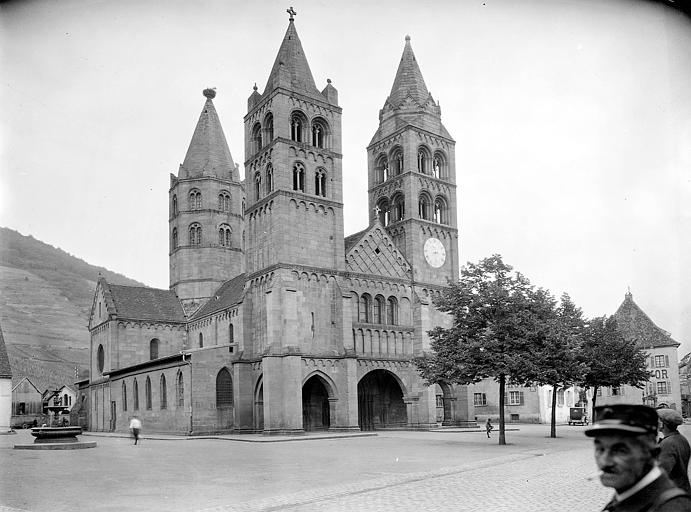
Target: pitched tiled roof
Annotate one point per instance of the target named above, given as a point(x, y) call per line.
point(5, 368)
point(290, 69)
point(208, 153)
point(634, 324)
point(230, 293)
point(140, 303)
point(351, 240)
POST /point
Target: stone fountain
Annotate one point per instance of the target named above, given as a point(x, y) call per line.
point(55, 436)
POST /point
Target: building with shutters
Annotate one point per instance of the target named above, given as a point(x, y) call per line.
point(275, 321)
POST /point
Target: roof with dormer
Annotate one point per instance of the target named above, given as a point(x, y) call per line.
point(635, 325)
point(141, 303)
point(290, 69)
point(229, 294)
point(208, 153)
point(372, 251)
point(5, 368)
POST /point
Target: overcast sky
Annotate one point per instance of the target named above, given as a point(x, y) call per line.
point(572, 122)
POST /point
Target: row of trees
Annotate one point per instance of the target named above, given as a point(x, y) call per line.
point(506, 329)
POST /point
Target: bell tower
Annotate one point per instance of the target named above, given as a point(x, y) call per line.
point(205, 214)
point(412, 176)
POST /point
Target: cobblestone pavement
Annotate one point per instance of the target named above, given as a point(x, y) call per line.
point(401, 471)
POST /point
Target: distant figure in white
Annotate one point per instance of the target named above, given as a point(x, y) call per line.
point(135, 427)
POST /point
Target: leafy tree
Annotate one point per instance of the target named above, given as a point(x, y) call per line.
point(493, 332)
point(557, 353)
point(611, 360)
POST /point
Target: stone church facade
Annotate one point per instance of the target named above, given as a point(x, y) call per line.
point(275, 322)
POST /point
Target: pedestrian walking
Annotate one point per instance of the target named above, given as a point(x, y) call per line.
point(488, 427)
point(135, 427)
point(675, 451)
point(625, 439)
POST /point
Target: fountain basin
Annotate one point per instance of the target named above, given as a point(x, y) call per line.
point(56, 438)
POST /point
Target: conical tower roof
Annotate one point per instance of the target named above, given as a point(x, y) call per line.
point(290, 69)
point(208, 153)
point(408, 81)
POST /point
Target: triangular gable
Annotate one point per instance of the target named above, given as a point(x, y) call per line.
point(102, 297)
point(375, 253)
point(27, 379)
point(635, 325)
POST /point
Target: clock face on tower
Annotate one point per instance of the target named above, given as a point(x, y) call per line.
point(435, 254)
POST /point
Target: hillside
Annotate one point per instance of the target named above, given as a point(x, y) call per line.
point(45, 298)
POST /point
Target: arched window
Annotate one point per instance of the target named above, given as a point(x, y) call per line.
point(397, 161)
point(384, 212)
point(392, 311)
point(423, 160)
point(424, 207)
point(180, 390)
point(195, 199)
point(153, 349)
point(382, 169)
point(269, 179)
point(299, 177)
point(256, 137)
point(439, 165)
point(201, 340)
point(124, 396)
point(147, 393)
point(224, 235)
point(175, 205)
point(224, 389)
point(195, 234)
point(269, 127)
point(175, 238)
point(164, 392)
point(135, 394)
point(319, 133)
point(440, 211)
point(100, 358)
point(297, 127)
point(398, 208)
point(224, 201)
point(258, 185)
point(365, 308)
point(379, 311)
point(231, 334)
point(320, 182)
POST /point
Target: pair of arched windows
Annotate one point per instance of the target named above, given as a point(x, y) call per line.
point(162, 393)
point(437, 212)
point(224, 201)
point(391, 212)
point(386, 168)
point(195, 232)
point(318, 130)
point(224, 233)
point(378, 310)
point(434, 165)
point(147, 393)
point(299, 179)
point(195, 199)
point(261, 136)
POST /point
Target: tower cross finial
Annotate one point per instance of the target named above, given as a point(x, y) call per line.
point(292, 13)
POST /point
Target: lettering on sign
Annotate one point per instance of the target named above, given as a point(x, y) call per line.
point(661, 374)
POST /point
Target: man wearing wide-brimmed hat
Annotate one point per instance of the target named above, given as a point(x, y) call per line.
point(625, 438)
point(674, 448)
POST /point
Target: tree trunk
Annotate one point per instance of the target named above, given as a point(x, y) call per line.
point(502, 386)
point(592, 412)
point(553, 430)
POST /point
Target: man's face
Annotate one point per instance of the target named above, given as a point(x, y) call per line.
point(623, 460)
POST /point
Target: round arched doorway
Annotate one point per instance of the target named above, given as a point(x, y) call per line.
point(380, 402)
point(316, 413)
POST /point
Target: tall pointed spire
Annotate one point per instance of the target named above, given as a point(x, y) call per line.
point(408, 81)
point(208, 153)
point(290, 69)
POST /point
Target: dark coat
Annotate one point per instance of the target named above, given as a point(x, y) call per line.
point(674, 459)
point(643, 500)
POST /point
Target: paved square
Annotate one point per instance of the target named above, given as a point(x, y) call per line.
point(403, 471)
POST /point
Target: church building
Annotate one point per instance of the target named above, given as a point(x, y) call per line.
point(275, 321)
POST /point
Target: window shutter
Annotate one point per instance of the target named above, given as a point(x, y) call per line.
point(669, 387)
point(652, 361)
point(520, 396)
point(667, 361)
